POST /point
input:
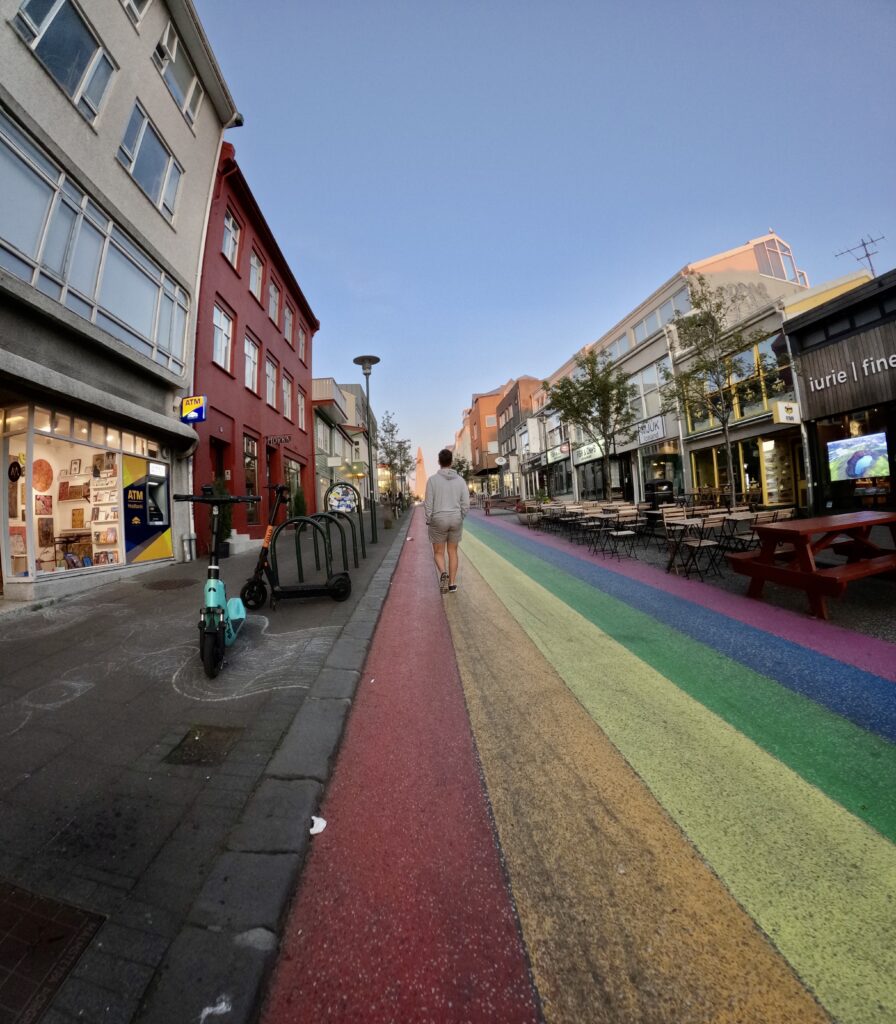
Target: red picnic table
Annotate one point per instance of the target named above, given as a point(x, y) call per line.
point(794, 565)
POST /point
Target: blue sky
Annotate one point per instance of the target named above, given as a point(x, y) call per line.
point(473, 189)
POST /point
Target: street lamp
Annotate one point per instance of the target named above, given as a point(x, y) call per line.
point(366, 362)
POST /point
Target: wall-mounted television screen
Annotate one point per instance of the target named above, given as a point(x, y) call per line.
point(857, 457)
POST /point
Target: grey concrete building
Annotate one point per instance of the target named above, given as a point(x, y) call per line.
point(112, 114)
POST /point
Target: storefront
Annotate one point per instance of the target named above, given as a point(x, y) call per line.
point(846, 356)
point(82, 496)
point(558, 475)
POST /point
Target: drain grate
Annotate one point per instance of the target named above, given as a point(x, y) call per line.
point(169, 584)
point(204, 744)
point(41, 943)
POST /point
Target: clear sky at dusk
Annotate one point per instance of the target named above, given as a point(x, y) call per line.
point(474, 189)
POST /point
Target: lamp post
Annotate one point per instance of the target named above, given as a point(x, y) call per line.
point(366, 362)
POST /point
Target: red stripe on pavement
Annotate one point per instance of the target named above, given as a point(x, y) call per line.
point(403, 912)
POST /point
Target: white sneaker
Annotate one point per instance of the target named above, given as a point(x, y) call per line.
point(443, 583)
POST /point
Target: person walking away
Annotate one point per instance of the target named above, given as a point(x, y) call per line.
point(445, 506)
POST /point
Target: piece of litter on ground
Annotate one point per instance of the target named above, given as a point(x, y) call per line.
point(223, 1005)
point(317, 825)
point(373, 679)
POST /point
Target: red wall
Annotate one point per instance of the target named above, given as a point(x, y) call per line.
point(233, 410)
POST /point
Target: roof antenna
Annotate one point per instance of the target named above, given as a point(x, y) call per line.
point(864, 244)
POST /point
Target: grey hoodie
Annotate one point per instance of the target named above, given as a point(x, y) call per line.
point(446, 491)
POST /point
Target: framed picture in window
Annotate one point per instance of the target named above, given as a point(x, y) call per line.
point(74, 467)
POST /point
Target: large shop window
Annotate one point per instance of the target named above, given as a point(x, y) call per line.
point(856, 453)
point(75, 505)
point(55, 237)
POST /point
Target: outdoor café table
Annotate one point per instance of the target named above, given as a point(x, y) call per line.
point(732, 536)
point(795, 565)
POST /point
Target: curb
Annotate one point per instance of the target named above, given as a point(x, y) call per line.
point(220, 959)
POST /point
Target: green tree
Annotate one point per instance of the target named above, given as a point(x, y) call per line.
point(713, 363)
point(393, 452)
point(596, 398)
point(463, 468)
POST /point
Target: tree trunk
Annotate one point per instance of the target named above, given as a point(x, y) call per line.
point(732, 479)
point(608, 487)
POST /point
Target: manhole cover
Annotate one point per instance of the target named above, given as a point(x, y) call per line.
point(169, 584)
point(42, 940)
point(204, 744)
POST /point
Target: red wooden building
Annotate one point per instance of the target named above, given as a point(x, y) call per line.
point(253, 357)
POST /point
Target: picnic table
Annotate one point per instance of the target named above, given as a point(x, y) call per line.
point(787, 551)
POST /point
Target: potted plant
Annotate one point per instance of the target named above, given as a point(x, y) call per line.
point(225, 518)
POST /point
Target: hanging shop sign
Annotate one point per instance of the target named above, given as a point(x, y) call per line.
point(193, 409)
point(14, 472)
point(559, 453)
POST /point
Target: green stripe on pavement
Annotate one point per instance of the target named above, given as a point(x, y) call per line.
point(817, 880)
point(853, 766)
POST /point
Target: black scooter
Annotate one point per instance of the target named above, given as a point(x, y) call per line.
point(255, 593)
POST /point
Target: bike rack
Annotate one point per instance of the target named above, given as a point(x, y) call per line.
point(359, 509)
point(338, 585)
point(328, 518)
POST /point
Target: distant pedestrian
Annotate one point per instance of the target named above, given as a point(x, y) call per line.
point(446, 504)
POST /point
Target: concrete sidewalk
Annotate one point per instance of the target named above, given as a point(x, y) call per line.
point(173, 807)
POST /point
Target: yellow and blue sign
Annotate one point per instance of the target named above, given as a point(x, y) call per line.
point(193, 408)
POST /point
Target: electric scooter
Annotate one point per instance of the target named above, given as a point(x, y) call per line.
point(220, 620)
point(254, 592)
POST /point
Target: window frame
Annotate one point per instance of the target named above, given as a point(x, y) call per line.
point(270, 363)
point(256, 263)
point(248, 341)
point(165, 56)
point(130, 8)
point(275, 293)
point(286, 395)
point(233, 236)
point(32, 35)
point(301, 411)
point(215, 329)
point(128, 161)
point(289, 317)
point(303, 339)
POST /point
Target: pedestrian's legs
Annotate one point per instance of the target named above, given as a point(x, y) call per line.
point(438, 554)
point(452, 562)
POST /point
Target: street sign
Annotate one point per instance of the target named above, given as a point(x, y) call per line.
point(500, 461)
point(193, 408)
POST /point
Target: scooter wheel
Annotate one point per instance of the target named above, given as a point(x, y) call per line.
point(211, 647)
point(340, 587)
point(254, 594)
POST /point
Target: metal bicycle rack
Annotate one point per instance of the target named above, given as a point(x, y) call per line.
point(359, 510)
point(338, 585)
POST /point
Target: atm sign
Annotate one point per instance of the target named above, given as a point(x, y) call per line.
point(193, 408)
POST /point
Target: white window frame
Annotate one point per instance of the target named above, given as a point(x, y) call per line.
point(300, 418)
point(286, 393)
point(231, 243)
point(250, 345)
point(222, 350)
point(33, 34)
point(289, 318)
point(256, 274)
point(132, 7)
point(274, 300)
point(127, 157)
point(167, 52)
point(302, 339)
point(270, 381)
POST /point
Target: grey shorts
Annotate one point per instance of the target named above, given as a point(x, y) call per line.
point(446, 526)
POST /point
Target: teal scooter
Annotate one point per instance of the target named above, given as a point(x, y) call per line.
point(219, 619)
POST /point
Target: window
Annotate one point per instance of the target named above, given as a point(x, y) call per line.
point(148, 161)
point(287, 322)
point(65, 45)
point(256, 273)
point(170, 57)
point(223, 336)
point(273, 302)
point(286, 391)
point(231, 245)
point(302, 344)
point(323, 436)
point(250, 467)
point(490, 421)
point(135, 9)
point(250, 348)
point(53, 236)
point(300, 419)
point(270, 374)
